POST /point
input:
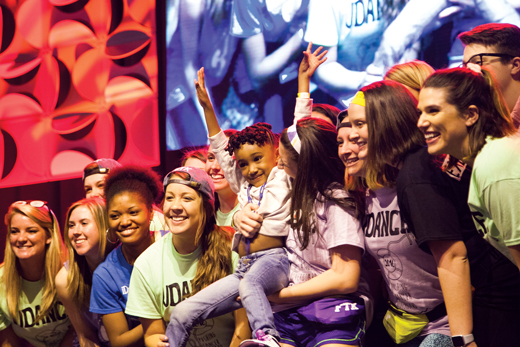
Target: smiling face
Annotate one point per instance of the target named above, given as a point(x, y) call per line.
point(94, 185)
point(359, 134)
point(129, 217)
point(256, 162)
point(444, 127)
point(286, 163)
point(214, 171)
point(348, 151)
point(83, 232)
point(182, 209)
point(28, 239)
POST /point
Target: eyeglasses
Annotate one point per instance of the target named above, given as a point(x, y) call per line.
point(477, 58)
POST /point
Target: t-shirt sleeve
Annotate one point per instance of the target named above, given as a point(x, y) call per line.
point(104, 296)
point(141, 298)
point(227, 163)
point(246, 18)
point(430, 213)
point(341, 228)
point(501, 200)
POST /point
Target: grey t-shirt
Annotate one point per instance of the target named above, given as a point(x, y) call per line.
point(409, 272)
point(336, 228)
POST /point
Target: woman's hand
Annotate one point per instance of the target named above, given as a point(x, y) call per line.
point(247, 221)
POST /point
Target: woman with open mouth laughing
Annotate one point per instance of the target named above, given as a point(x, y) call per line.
point(464, 115)
point(192, 256)
point(130, 194)
point(433, 206)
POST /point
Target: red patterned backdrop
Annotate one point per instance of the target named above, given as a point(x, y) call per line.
point(78, 81)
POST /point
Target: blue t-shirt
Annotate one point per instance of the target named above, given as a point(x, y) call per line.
point(110, 284)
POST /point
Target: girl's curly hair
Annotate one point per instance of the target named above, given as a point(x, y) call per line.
point(259, 134)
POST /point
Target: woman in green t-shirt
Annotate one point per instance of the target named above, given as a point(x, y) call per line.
point(29, 307)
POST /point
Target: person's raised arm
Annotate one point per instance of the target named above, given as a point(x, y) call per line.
point(205, 102)
point(119, 333)
point(453, 270)
point(341, 278)
point(310, 62)
point(261, 66)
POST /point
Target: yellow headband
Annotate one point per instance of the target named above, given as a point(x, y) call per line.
point(359, 99)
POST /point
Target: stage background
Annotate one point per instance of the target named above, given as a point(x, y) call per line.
point(87, 79)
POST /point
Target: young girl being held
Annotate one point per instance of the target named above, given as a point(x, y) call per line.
point(263, 268)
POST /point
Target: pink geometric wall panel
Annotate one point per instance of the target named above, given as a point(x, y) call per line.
point(78, 82)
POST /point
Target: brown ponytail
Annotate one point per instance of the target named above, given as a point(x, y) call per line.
point(215, 261)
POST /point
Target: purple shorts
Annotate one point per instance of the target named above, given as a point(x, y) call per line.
point(339, 320)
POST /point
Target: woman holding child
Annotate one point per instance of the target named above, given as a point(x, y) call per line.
point(193, 255)
point(325, 254)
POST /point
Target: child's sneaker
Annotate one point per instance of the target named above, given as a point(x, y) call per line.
point(262, 340)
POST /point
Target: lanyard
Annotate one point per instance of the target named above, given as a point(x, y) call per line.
point(250, 200)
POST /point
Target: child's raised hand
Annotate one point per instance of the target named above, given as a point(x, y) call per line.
point(202, 94)
point(311, 60)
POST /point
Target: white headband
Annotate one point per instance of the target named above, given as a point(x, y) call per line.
point(294, 139)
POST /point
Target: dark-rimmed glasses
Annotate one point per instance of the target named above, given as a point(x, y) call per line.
point(477, 58)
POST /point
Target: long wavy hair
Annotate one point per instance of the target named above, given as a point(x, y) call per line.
point(54, 257)
point(79, 275)
point(464, 88)
point(215, 243)
point(318, 168)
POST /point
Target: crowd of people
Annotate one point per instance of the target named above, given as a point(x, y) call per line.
point(393, 222)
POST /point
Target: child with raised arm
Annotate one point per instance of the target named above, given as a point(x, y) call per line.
point(263, 267)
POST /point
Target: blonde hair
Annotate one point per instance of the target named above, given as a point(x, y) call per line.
point(411, 74)
point(54, 258)
point(79, 275)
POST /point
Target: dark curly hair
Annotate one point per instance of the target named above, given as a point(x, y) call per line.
point(136, 179)
point(259, 134)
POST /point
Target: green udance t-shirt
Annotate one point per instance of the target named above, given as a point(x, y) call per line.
point(160, 278)
point(494, 193)
point(45, 333)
